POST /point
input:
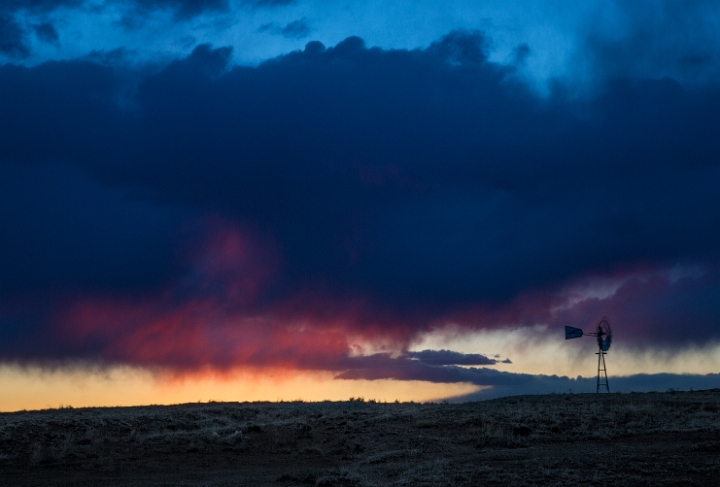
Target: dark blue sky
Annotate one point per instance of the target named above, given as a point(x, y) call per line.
point(360, 192)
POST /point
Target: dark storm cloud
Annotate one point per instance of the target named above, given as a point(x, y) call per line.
point(63, 233)
point(658, 308)
point(430, 177)
point(399, 190)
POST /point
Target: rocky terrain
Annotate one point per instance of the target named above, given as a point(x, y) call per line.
point(657, 439)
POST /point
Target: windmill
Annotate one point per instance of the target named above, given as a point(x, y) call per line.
point(604, 339)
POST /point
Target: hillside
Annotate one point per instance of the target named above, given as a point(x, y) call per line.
point(657, 439)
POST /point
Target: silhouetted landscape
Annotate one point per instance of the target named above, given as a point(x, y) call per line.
point(670, 438)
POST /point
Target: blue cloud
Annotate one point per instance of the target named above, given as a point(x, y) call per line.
point(297, 29)
point(13, 38)
point(46, 32)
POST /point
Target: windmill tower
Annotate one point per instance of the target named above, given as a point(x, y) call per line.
point(604, 339)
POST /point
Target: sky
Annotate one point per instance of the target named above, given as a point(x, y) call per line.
point(305, 199)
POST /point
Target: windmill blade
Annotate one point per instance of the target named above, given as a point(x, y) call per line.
point(572, 332)
point(604, 335)
point(607, 340)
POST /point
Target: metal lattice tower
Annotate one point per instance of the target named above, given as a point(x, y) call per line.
point(602, 380)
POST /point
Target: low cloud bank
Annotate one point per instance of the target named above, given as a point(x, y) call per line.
point(543, 384)
point(502, 383)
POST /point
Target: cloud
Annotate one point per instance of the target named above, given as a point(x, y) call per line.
point(297, 29)
point(13, 38)
point(183, 9)
point(399, 369)
point(543, 384)
point(448, 357)
point(68, 233)
point(658, 308)
point(499, 383)
point(47, 33)
point(626, 39)
point(134, 12)
point(40, 6)
point(268, 3)
point(364, 197)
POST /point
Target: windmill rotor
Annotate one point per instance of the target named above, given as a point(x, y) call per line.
point(604, 335)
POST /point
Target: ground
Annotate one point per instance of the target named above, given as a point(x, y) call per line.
point(654, 439)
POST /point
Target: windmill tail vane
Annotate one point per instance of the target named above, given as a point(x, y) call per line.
point(571, 332)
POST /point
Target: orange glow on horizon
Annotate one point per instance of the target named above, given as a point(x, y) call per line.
point(35, 388)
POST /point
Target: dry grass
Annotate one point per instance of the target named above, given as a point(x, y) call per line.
point(624, 439)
